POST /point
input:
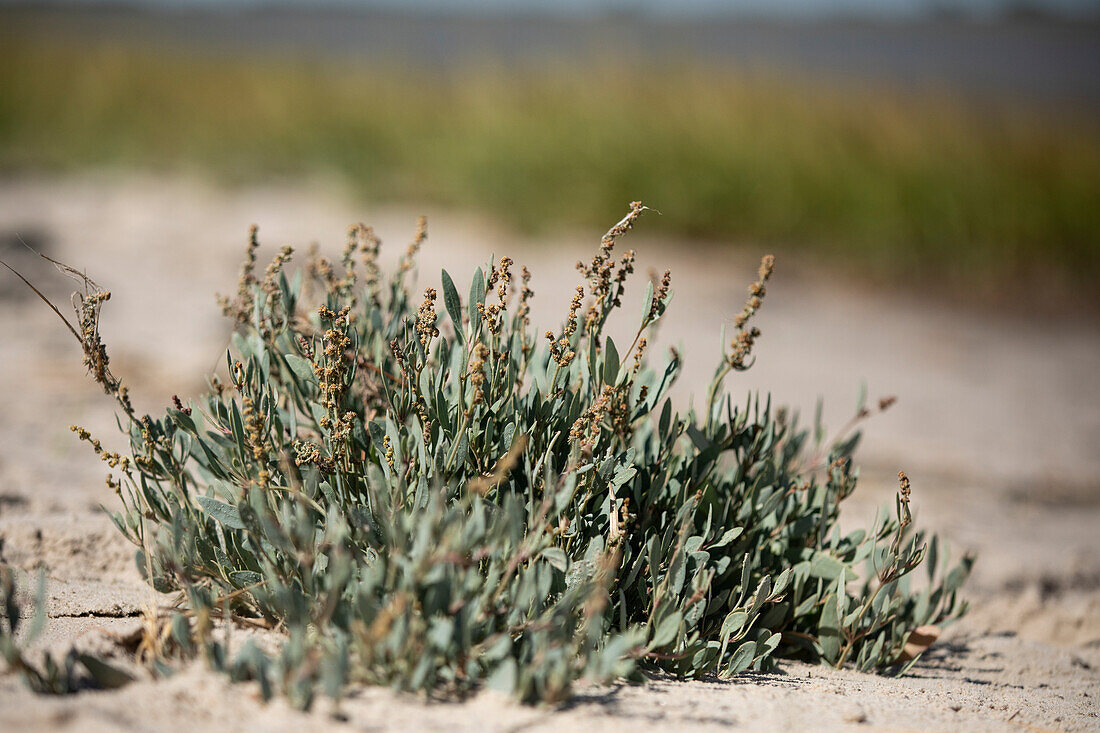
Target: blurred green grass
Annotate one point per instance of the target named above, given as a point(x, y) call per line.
point(980, 195)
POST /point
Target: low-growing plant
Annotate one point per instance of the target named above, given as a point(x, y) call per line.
point(440, 503)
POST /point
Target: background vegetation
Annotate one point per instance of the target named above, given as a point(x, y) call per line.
point(917, 183)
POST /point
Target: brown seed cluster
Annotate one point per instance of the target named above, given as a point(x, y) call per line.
point(146, 460)
point(841, 478)
point(559, 348)
point(333, 368)
point(426, 329)
point(741, 346)
point(254, 423)
point(398, 353)
point(606, 283)
point(476, 370)
point(505, 278)
point(114, 460)
point(340, 427)
point(574, 307)
point(626, 268)
point(270, 284)
point(95, 353)
point(321, 269)
point(490, 314)
point(389, 456)
point(884, 404)
point(306, 347)
point(660, 292)
point(905, 518)
point(409, 257)
point(368, 245)
point(347, 259)
point(612, 403)
point(624, 225)
point(904, 491)
point(838, 469)
point(499, 278)
point(307, 453)
point(639, 353)
point(240, 307)
point(523, 311)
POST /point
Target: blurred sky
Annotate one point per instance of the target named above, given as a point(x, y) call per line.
point(898, 9)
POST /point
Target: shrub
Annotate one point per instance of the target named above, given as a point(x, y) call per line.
point(440, 503)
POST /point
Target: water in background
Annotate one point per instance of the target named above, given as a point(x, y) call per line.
point(1048, 58)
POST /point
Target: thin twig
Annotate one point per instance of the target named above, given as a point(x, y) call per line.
point(45, 300)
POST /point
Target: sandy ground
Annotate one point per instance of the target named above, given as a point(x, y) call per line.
point(998, 424)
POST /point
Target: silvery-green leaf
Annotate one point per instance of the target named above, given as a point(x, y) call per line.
point(828, 629)
point(733, 623)
point(727, 537)
point(504, 677)
point(222, 512)
point(244, 578)
point(742, 658)
point(827, 567)
point(452, 303)
point(302, 368)
point(556, 557)
point(610, 361)
point(666, 630)
point(477, 295)
point(106, 676)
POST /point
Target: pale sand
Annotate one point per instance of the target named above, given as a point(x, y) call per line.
point(998, 425)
